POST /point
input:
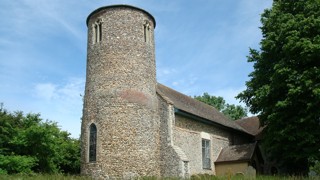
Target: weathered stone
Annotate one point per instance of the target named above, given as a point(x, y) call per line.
point(138, 131)
point(120, 95)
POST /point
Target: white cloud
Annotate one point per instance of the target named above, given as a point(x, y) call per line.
point(175, 83)
point(46, 91)
point(162, 72)
point(61, 103)
point(69, 91)
point(229, 95)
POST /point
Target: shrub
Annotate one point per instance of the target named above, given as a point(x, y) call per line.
point(16, 164)
point(316, 168)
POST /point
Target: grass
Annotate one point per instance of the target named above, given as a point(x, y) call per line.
point(43, 177)
point(195, 177)
point(259, 177)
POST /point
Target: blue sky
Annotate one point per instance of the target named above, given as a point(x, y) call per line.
point(201, 46)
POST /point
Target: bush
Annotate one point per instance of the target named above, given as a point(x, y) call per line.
point(16, 164)
point(316, 168)
point(27, 143)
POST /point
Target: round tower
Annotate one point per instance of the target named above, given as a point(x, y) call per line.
point(120, 126)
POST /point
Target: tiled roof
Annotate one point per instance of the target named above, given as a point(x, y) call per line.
point(251, 125)
point(197, 108)
point(242, 152)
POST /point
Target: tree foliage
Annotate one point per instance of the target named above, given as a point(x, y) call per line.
point(285, 85)
point(11, 164)
point(315, 168)
point(28, 144)
point(232, 111)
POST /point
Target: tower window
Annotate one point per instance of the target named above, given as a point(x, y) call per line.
point(93, 143)
point(97, 31)
point(206, 161)
point(147, 32)
point(100, 31)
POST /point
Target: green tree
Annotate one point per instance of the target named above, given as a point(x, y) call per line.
point(232, 111)
point(284, 88)
point(27, 144)
point(70, 149)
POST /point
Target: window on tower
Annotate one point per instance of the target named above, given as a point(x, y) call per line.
point(93, 143)
point(100, 31)
point(147, 32)
point(97, 31)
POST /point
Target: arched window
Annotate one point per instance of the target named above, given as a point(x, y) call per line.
point(147, 33)
point(93, 143)
point(97, 31)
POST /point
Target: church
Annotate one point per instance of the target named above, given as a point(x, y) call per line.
point(134, 126)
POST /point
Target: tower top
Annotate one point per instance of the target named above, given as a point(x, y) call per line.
point(121, 6)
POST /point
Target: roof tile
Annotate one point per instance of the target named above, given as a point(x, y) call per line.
point(242, 152)
point(195, 107)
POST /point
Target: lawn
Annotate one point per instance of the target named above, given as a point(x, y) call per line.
point(199, 177)
point(43, 177)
